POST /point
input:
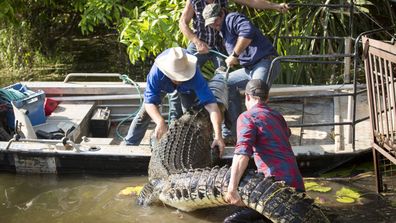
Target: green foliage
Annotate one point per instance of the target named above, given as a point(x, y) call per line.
point(151, 28)
point(7, 13)
point(316, 22)
point(29, 29)
point(99, 12)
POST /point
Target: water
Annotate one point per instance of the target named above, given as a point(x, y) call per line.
point(87, 198)
point(80, 198)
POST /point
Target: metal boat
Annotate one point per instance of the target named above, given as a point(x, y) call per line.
point(322, 136)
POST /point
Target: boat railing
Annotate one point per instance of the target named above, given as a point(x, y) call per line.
point(91, 75)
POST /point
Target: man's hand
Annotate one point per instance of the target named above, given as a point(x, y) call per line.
point(220, 143)
point(202, 47)
point(283, 7)
point(232, 61)
point(160, 130)
point(233, 197)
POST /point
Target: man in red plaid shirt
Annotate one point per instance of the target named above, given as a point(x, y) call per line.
point(263, 134)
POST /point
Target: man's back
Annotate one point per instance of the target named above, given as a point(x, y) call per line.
point(263, 132)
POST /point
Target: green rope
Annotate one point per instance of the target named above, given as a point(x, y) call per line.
point(125, 79)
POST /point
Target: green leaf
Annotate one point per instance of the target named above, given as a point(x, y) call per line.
point(347, 192)
point(346, 200)
point(313, 186)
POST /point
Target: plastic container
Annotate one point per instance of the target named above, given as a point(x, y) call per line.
point(33, 103)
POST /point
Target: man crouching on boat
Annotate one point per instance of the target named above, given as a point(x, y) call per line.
point(174, 69)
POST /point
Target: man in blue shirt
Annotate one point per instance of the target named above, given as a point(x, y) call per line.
point(174, 69)
point(248, 47)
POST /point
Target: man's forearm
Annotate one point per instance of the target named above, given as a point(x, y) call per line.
point(184, 22)
point(215, 118)
point(154, 113)
point(241, 44)
point(239, 165)
point(260, 4)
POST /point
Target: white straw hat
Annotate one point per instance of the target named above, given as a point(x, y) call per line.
point(177, 64)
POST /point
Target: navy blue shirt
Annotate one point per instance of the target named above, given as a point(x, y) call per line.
point(237, 25)
point(158, 82)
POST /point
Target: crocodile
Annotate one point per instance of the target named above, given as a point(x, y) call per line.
point(206, 187)
point(182, 175)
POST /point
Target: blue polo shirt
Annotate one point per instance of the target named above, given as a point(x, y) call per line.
point(235, 25)
point(158, 82)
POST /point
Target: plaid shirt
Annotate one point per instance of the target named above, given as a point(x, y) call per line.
point(263, 133)
point(206, 34)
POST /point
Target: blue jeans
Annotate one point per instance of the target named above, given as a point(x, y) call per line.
point(237, 80)
point(141, 121)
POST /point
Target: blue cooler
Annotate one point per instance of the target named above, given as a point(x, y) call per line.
point(33, 103)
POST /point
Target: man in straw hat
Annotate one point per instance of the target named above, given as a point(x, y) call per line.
point(263, 134)
point(248, 47)
point(174, 69)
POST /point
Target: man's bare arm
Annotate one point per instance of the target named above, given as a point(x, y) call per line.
point(264, 4)
point(184, 26)
point(240, 46)
point(216, 119)
point(239, 165)
point(156, 116)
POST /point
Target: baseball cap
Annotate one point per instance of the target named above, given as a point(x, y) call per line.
point(210, 13)
point(257, 87)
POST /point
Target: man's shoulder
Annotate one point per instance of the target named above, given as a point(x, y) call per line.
point(198, 78)
point(231, 15)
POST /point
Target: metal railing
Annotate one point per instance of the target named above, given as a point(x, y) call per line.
point(337, 59)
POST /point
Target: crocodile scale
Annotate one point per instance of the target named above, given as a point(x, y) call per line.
point(180, 176)
point(186, 145)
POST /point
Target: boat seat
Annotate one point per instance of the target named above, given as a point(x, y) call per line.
point(72, 117)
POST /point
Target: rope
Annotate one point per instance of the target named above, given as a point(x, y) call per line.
point(127, 80)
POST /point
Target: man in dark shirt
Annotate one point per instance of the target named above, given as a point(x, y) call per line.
point(246, 46)
point(263, 134)
point(203, 38)
point(174, 69)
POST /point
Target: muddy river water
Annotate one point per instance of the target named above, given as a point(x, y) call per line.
point(85, 198)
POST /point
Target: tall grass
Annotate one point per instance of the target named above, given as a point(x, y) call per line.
point(319, 22)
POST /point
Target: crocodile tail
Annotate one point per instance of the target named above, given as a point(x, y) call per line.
point(277, 201)
point(195, 189)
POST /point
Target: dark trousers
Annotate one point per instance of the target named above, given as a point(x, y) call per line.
point(245, 215)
